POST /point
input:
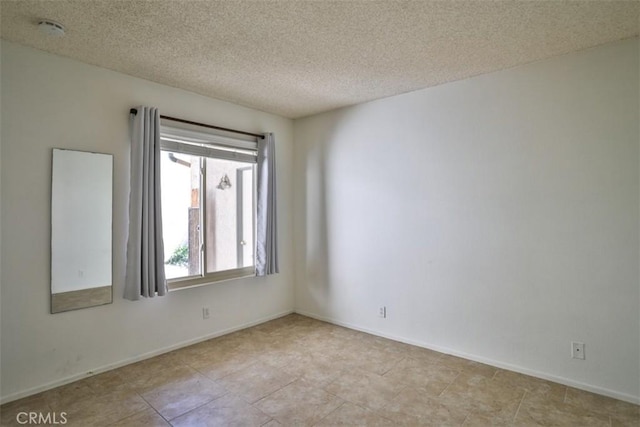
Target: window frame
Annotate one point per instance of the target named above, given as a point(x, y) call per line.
point(215, 145)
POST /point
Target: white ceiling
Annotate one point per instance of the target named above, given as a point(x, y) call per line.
point(296, 58)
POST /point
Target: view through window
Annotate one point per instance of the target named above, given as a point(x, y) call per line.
point(208, 215)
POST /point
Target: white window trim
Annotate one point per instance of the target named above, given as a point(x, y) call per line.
point(214, 144)
point(210, 278)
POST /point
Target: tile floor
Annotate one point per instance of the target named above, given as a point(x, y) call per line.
point(296, 371)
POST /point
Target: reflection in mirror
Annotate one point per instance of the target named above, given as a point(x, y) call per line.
point(81, 192)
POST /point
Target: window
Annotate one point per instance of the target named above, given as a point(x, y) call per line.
point(208, 206)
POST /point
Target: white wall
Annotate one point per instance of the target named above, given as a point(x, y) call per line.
point(495, 217)
point(49, 101)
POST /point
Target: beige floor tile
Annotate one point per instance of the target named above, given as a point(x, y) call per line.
point(477, 394)
point(545, 411)
point(221, 365)
point(187, 355)
point(372, 359)
point(107, 382)
point(229, 341)
point(469, 366)
point(317, 370)
point(483, 420)
point(43, 418)
point(160, 362)
point(272, 423)
point(281, 357)
point(623, 421)
point(365, 388)
point(300, 368)
point(349, 414)
point(69, 397)
point(146, 418)
point(106, 409)
point(548, 389)
point(9, 411)
point(299, 331)
point(259, 342)
point(46, 418)
point(78, 408)
point(337, 348)
point(431, 377)
point(299, 404)
point(622, 413)
point(178, 397)
point(341, 332)
point(319, 332)
point(229, 410)
point(374, 341)
point(256, 381)
point(206, 358)
point(287, 322)
point(212, 356)
point(414, 407)
point(489, 407)
point(395, 348)
point(422, 355)
point(144, 381)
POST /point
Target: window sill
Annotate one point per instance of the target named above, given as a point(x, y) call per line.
point(210, 278)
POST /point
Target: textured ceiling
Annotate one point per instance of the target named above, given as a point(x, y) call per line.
point(296, 58)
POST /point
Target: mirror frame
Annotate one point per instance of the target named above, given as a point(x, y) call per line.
point(77, 298)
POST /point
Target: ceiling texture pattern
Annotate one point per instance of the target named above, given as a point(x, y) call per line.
point(297, 58)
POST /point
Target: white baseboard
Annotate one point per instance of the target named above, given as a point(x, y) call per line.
point(128, 361)
point(507, 366)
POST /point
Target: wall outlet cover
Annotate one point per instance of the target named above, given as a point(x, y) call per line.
point(577, 350)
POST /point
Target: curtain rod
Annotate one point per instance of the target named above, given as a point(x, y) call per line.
point(174, 119)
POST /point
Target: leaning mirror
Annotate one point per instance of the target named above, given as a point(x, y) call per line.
point(81, 194)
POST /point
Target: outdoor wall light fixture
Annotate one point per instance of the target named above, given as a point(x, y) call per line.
point(225, 183)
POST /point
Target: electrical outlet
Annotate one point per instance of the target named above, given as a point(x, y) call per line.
point(382, 312)
point(205, 312)
point(577, 350)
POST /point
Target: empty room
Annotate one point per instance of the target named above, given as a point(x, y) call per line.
point(319, 213)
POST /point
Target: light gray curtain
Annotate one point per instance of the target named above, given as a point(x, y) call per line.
point(267, 230)
point(145, 250)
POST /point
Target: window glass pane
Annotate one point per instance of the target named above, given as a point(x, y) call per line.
point(229, 212)
point(180, 183)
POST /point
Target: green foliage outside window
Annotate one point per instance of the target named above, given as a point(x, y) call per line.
point(180, 256)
